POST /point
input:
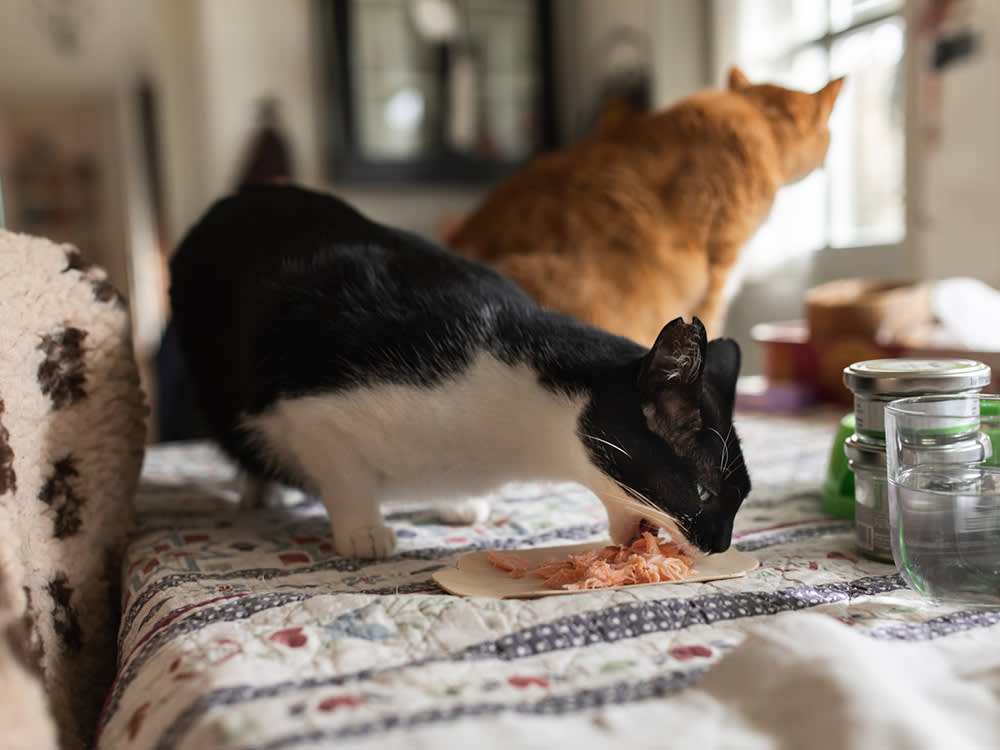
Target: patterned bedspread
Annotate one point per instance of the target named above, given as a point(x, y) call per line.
point(243, 630)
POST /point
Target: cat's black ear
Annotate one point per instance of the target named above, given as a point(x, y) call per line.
point(670, 378)
point(677, 358)
point(722, 369)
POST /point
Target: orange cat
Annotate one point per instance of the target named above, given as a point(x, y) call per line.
point(643, 223)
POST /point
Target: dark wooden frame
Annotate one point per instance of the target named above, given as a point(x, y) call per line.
point(344, 159)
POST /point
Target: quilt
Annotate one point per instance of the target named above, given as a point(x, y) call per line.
point(244, 630)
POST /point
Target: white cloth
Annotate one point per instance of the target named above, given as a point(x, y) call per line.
point(809, 681)
point(968, 310)
point(800, 681)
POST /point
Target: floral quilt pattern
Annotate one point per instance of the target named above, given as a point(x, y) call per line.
point(245, 630)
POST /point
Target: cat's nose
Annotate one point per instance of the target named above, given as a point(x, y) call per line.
point(718, 538)
point(719, 544)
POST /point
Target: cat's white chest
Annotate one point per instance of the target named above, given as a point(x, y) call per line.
point(490, 424)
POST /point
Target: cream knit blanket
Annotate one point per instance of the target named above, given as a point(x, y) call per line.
point(71, 445)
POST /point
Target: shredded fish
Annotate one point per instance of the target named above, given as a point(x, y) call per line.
point(510, 561)
point(647, 560)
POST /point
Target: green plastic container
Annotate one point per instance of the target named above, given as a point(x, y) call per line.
point(837, 492)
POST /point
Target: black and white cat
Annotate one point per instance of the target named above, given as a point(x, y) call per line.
point(364, 363)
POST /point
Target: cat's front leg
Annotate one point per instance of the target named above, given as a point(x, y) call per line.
point(362, 538)
point(350, 490)
point(359, 531)
point(623, 523)
point(351, 499)
point(711, 310)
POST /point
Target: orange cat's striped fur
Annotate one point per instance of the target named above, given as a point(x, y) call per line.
point(642, 224)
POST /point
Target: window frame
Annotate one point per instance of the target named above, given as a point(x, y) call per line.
point(885, 260)
point(345, 159)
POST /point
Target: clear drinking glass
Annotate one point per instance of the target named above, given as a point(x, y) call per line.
point(943, 467)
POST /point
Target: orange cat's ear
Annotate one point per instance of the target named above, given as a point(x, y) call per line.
point(826, 97)
point(737, 80)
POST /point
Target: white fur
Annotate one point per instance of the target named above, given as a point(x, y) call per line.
point(493, 423)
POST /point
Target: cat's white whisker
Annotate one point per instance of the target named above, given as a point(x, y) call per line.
point(636, 494)
point(725, 448)
point(735, 465)
point(634, 503)
point(608, 443)
point(651, 513)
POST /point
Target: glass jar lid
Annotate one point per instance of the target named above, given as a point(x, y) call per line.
point(915, 376)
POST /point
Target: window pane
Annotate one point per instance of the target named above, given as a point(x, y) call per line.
point(394, 87)
point(847, 13)
point(796, 226)
point(806, 70)
point(866, 159)
point(767, 28)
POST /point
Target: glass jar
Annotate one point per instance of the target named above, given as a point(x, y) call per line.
point(874, 384)
point(943, 471)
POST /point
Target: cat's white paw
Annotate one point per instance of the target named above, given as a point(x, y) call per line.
point(366, 542)
point(466, 512)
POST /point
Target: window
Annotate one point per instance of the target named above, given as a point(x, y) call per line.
point(858, 198)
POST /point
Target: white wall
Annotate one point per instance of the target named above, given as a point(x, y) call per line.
point(957, 211)
point(584, 59)
point(216, 58)
point(29, 61)
point(111, 57)
point(177, 43)
point(681, 48)
point(253, 49)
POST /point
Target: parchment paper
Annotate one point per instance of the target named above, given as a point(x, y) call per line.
point(473, 575)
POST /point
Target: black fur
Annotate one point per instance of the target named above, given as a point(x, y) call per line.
point(281, 292)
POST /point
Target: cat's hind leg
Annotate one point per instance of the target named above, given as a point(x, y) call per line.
point(256, 493)
point(468, 512)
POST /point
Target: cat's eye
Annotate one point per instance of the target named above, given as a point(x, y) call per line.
point(703, 492)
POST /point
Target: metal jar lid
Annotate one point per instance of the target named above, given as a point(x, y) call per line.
point(915, 376)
